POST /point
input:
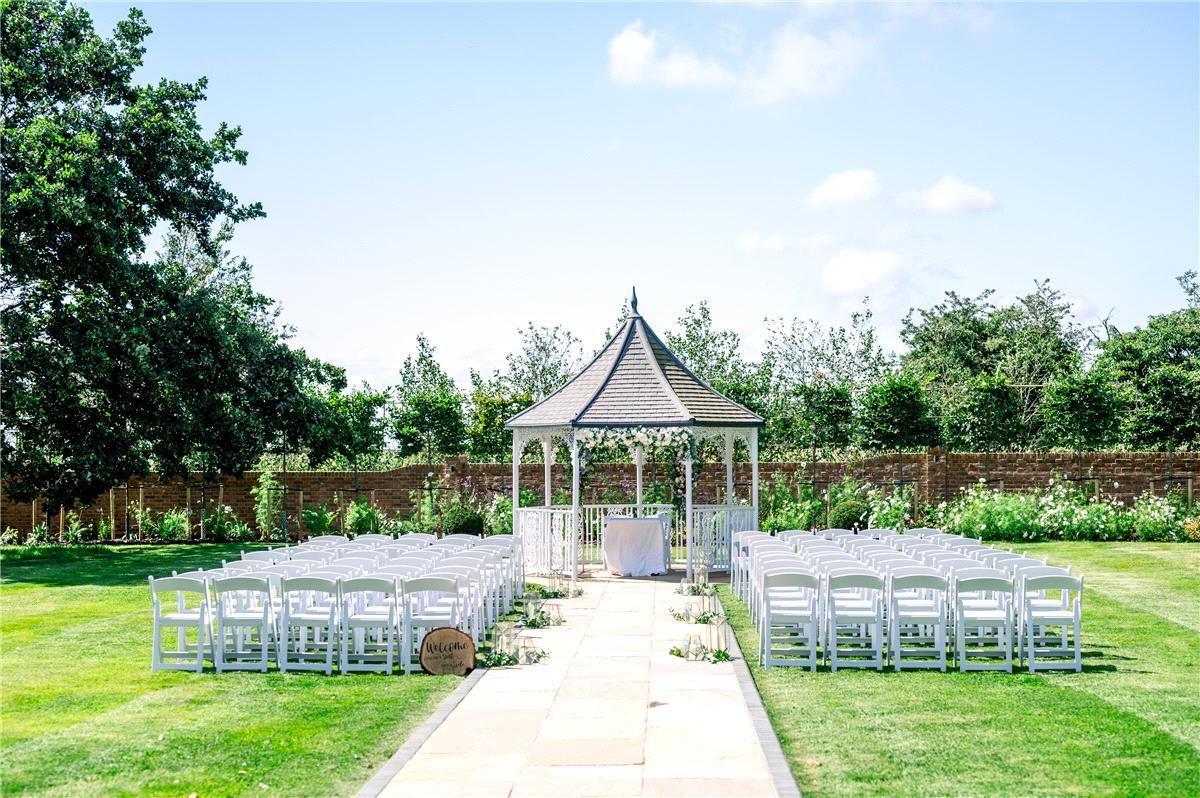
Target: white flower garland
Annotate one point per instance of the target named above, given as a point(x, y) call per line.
point(678, 438)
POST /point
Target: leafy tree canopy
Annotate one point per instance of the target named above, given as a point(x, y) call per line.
point(894, 415)
point(493, 402)
point(429, 423)
point(1032, 341)
point(548, 357)
point(983, 415)
point(113, 363)
point(1081, 411)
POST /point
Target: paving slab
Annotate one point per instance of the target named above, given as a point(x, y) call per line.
point(608, 713)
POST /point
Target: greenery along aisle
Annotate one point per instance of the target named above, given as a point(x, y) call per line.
point(83, 714)
point(1126, 725)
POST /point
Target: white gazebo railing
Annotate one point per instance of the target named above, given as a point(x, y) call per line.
point(712, 528)
point(545, 534)
point(591, 525)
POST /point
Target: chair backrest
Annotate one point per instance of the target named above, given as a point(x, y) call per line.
point(425, 536)
point(431, 584)
point(790, 578)
point(919, 578)
point(309, 584)
point(178, 584)
point(241, 584)
point(357, 562)
point(311, 555)
point(922, 531)
point(1053, 582)
point(972, 580)
point(273, 555)
point(856, 579)
point(374, 537)
point(370, 584)
point(402, 571)
point(329, 538)
point(287, 569)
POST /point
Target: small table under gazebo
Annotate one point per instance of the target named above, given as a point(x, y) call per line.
point(635, 393)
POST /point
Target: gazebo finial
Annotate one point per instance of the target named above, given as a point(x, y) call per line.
point(633, 302)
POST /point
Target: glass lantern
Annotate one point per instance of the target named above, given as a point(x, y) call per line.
point(717, 634)
point(701, 572)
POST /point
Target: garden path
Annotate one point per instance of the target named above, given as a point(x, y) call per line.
point(609, 713)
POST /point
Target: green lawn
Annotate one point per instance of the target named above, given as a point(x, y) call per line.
point(1129, 724)
point(82, 714)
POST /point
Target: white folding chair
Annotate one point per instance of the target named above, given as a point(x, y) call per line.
point(917, 618)
point(789, 619)
point(191, 611)
point(854, 611)
point(429, 602)
point(309, 605)
point(370, 619)
point(1037, 614)
point(245, 623)
point(983, 623)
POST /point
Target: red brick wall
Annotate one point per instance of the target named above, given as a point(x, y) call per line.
point(937, 475)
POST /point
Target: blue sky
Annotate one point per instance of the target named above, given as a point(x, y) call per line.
point(459, 170)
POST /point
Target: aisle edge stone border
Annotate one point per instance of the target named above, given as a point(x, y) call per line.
point(383, 776)
point(777, 766)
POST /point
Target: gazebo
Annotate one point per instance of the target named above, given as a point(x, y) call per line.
point(637, 393)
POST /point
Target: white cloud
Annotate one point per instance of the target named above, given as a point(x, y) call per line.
point(793, 63)
point(816, 240)
point(753, 240)
point(949, 195)
point(634, 59)
point(853, 271)
point(844, 188)
point(798, 64)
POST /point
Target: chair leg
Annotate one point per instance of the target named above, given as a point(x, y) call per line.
point(156, 648)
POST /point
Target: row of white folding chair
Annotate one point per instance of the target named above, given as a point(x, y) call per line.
point(369, 621)
point(241, 609)
point(910, 619)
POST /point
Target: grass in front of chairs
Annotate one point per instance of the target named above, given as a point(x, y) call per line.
point(83, 714)
point(1127, 725)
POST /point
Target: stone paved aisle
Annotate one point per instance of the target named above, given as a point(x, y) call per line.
point(609, 712)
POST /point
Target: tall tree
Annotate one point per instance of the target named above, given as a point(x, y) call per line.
point(91, 164)
point(429, 423)
point(895, 415)
point(422, 373)
point(548, 357)
point(492, 403)
point(983, 415)
point(359, 424)
point(827, 413)
point(1167, 411)
point(1081, 412)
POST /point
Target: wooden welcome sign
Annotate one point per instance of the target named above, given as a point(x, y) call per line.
point(446, 650)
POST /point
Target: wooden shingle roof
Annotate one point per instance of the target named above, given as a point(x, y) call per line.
point(635, 381)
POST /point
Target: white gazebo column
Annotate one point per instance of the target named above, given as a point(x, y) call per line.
point(639, 456)
point(754, 471)
point(516, 482)
point(548, 461)
point(687, 508)
point(574, 509)
point(729, 467)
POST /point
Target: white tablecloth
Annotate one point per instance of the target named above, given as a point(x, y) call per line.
point(634, 546)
